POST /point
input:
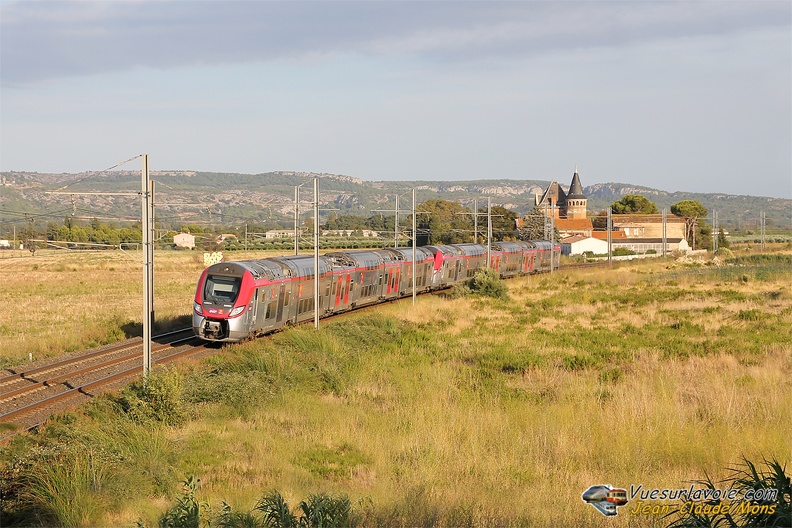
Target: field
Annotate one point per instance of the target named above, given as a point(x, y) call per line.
point(456, 412)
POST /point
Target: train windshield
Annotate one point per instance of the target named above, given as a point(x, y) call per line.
point(221, 289)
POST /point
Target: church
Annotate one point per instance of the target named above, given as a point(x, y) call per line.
point(567, 208)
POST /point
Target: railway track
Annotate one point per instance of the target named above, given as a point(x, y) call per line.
point(28, 397)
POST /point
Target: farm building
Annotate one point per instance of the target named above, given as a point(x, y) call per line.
point(185, 240)
point(649, 225)
point(579, 244)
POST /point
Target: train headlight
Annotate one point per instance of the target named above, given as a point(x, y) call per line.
point(197, 307)
point(236, 311)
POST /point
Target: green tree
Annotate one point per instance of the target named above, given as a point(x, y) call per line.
point(442, 224)
point(723, 242)
point(504, 225)
point(704, 236)
point(634, 204)
point(533, 227)
point(691, 211)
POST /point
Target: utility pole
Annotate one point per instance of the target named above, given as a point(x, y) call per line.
point(489, 230)
point(552, 236)
point(148, 266)
point(396, 223)
point(475, 220)
point(610, 238)
point(762, 227)
point(665, 240)
point(297, 218)
point(414, 264)
point(316, 252)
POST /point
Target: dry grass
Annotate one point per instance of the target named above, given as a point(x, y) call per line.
point(505, 412)
point(467, 429)
point(61, 301)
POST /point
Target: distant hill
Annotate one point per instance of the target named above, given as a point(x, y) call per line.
point(235, 199)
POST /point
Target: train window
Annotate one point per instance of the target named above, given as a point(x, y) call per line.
point(271, 310)
point(221, 289)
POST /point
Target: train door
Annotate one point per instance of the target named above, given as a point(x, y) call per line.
point(252, 310)
point(337, 290)
point(281, 300)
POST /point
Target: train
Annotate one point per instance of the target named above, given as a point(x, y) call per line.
point(235, 301)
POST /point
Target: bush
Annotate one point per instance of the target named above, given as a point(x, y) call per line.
point(761, 513)
point(158, 399)
point(485, 282)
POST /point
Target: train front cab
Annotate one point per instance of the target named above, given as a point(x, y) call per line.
point(220, 306)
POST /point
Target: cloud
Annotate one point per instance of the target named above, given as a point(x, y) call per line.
point(45, 40)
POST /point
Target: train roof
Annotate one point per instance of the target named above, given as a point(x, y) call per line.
point(543, 244)
point(258, 268)
point(357, 259)
point(446, 250)
point(301, 265)
point(405, 253)
point(471, 250)
point(513, 247)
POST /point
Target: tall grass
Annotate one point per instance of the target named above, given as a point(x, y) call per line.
point(472, 411)
point(67, 301)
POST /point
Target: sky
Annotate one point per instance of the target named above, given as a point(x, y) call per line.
point(679, 96)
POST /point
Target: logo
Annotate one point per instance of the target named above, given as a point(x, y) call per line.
point(605, 498)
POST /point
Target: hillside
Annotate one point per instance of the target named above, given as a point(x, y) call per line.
point(234, 199)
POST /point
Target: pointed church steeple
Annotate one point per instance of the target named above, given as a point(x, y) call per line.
point(576, 200)
point(576, 189)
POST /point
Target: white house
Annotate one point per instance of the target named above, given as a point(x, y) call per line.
point(279, 233)
point(185, 240)
point(579, 244)
point(642, 245)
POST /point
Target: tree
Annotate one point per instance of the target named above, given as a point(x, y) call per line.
point(691, 211)
point(442, 224)
point(634, 204)
point(600, 220)
point(723, 242)
point(533, 227)
point(503, 222)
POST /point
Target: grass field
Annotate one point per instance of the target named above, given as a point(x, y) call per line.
point(456, 412)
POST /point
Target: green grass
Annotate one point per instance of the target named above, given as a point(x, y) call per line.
point(458, 412)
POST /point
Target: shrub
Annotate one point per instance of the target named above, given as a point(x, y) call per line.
point(485, 282)
point(159, 399)
point(761, 513)
point(186, 513)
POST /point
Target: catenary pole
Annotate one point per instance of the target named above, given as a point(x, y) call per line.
point(316, 252)
point(147, 265)
point(414, 264)
point(489, 231)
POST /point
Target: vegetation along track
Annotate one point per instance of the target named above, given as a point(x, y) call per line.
point(29, 397)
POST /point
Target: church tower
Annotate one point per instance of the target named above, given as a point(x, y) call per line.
point(576, 201)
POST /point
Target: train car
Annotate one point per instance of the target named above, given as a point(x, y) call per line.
point(238, 300)
point(424, 261)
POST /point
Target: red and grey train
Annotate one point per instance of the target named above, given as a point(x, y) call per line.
point(239, 300)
